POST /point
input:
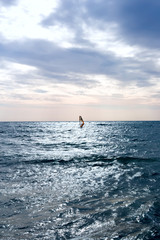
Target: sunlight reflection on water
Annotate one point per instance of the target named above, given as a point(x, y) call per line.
point(59, 181)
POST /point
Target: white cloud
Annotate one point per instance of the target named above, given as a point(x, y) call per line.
point(24, 21)
point(24, 85)
point(108, 40)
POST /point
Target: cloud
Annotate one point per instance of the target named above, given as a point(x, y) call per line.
point(8, 2)
point(67, 13)
point(138, 22)
point(51, 59)
point(92, 52)
point(67, 65)
point(130, 23)
point(40, 91)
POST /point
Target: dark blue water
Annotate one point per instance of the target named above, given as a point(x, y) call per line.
point(58, 181)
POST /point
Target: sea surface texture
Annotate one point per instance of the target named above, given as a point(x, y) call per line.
point(60, 181)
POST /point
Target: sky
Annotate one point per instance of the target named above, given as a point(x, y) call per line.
point(63, 58)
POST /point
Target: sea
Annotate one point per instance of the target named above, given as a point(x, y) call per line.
point(100, 182)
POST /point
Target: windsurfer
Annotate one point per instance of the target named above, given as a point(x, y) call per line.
point(81, 120)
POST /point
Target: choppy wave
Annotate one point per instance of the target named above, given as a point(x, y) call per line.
point(59, 181)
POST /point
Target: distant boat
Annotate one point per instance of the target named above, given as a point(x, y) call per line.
point(81, 121)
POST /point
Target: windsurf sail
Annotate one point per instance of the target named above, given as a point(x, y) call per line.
point(81, 121)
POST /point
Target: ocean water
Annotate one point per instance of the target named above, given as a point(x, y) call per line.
point(60, 181)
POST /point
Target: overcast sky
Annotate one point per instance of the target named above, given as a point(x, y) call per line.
point(63, 58)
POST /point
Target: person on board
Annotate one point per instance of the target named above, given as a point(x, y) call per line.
point(81, 120)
